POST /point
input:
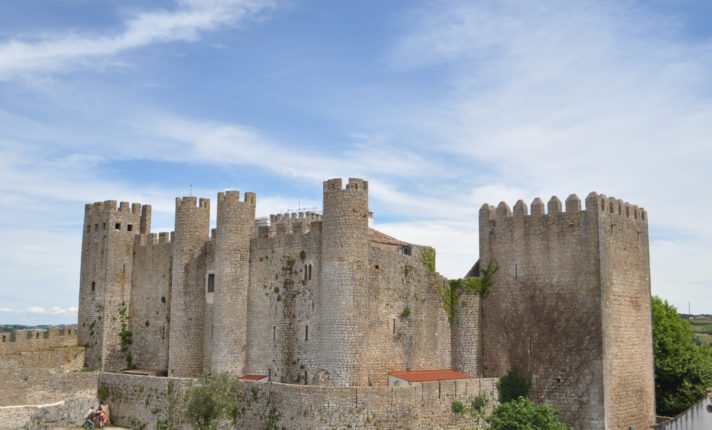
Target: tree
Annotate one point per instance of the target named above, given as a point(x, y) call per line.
point(683, 369)
point(212, 398)
point(512, 386)
point(523, 414)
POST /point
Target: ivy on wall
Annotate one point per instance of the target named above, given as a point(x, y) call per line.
point(475, 284)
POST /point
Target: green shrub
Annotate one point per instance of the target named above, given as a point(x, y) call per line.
point(405, 313)
point(457, 406)
point(512, 386)
point(522, 414)
point(479, 403)
point(102, 394)
point(212, 398)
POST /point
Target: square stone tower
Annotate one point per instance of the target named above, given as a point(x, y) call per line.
point(570, 307)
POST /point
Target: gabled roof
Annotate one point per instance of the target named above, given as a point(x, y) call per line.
point(429, 375)
point(378, 237)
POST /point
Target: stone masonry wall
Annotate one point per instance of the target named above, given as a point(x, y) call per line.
point(283, 338)
point(627, 326)
point(37, 340)
point(407, 327)
point(466, 335)
point(150, 300)
point(144, 402)
point(543, 311)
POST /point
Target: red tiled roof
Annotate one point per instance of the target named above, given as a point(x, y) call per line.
point(253, 377)
point(378, 237)
point(429, 375)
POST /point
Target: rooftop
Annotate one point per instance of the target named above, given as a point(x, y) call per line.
point(429, 375)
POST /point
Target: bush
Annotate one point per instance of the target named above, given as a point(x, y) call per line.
point(214, 397)
point(683, 369)
point(479, 403)
point(512, 386)
point(522, 414)
point(457, 406)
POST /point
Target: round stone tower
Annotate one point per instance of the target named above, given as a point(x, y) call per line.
point(235, 228)
point(344, 276)
point(185, 352)
point(465, 333)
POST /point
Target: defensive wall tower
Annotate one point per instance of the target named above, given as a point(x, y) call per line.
point(185, 354)
point(570, 305)
point(235, 228)
point(465, 333)
point(105, 278)
point(344, 275)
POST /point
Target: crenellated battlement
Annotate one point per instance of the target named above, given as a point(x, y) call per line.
point(594, 202)
point(234, 196)
point(282, 230)
point(152, 239)
point(191, 201)
point(111, 206)
point(37, 339)
point(353, 184)
point(292, 217)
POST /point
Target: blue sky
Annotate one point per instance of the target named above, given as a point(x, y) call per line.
point(441, 105)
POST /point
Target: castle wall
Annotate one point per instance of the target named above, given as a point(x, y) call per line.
point(344, 278)
point(150, 301)
point(405, 326)
point(543, 311)
point(283, 338)
point(235, 228)
point(37, 340)
point(187, 314)
point(627, 326)
point(139, 401)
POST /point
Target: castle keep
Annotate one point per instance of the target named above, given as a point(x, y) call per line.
point(324, 299)
point(310, 299)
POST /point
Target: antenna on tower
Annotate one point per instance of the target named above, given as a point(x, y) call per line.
point(190, 190)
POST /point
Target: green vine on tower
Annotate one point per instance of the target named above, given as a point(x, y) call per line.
point(126, 335)
point(479, 285)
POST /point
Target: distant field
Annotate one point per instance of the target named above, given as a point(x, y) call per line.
point(702, 328)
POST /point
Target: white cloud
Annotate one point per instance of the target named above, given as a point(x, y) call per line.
point(184, 23)
point(560, 96)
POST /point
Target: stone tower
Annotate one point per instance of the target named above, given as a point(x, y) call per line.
point(570, 306)
point(185, 354)
point(344, 276)
point(465, 338)
point(235, 228)
point(105, 278)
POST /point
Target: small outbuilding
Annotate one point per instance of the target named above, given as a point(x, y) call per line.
point(409, 377)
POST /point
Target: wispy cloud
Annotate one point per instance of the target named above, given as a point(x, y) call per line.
point(39, 310)
point(185, 22)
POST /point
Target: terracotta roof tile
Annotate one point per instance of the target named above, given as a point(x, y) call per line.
point(378, 237)
point(429, 375)
point(253, 377)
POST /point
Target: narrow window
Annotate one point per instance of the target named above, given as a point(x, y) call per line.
point(274, 332)
point(69, 332)
point(89, 228)
point(4, 338)
point(642, 216)
point(211, 283)
point(103, 226)
point(269, 374)
point(394, 326)
point(96, 227)
point(306, 333)
point(306, 381)
point(37, 335)
point(129, 227)
point(310, 272)
point(123, 268)
point(93, 287)
point(163, 333)
point(117, 226)
point(306, 272)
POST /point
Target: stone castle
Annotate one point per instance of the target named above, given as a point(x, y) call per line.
point(325, 300)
